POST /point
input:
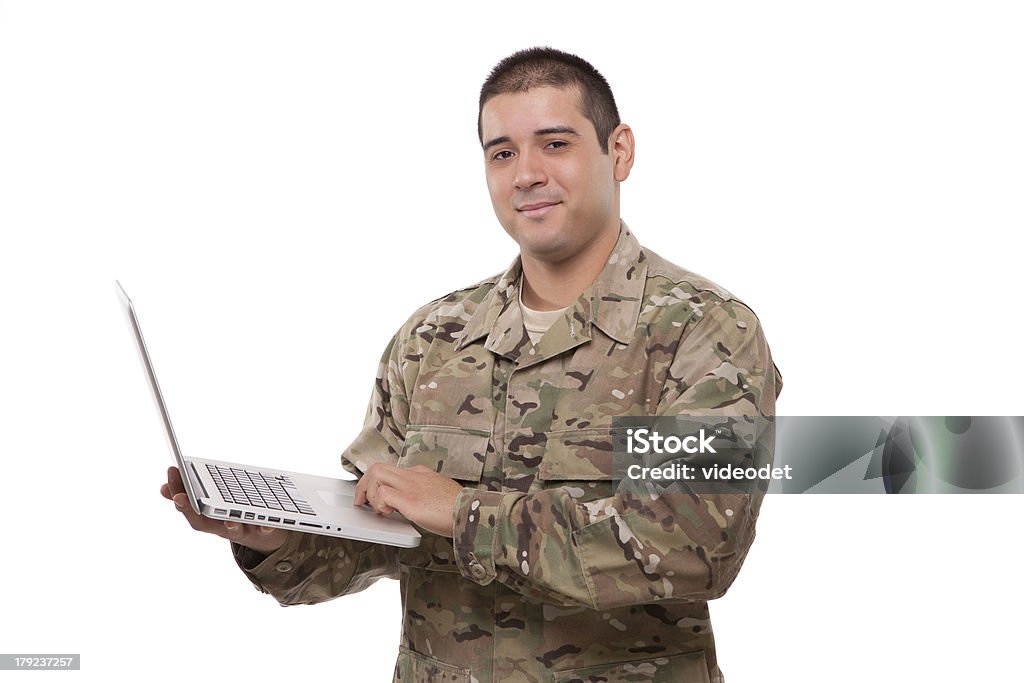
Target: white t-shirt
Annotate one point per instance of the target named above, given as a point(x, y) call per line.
point(538, 322)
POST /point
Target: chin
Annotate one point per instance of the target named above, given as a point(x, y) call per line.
point(550, 251)
point(539, 238)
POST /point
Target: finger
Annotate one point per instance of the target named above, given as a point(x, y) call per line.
point(370, 492)
point(165, 491)
point(383, 474)
point(365, 484)
point(259, 533)
point(244, 534)
point(247, 534)
point(368, 483)
point(197, 522)
point(360, 498)
point(233, 531)
point(174, 481)
point(386, 500)
point(264, 539)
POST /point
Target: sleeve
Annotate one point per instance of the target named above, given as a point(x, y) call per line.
point(309, 568)
point(673, 544)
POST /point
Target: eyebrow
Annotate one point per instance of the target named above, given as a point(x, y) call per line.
point(554, 130)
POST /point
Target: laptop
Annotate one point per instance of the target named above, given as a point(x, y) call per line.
point(270, 497)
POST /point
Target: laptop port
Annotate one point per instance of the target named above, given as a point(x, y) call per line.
point(289, 521)
point(274, 519)
point(237, 514)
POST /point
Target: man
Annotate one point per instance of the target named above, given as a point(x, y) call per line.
point(489, 427)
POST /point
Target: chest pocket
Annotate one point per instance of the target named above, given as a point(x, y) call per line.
point(456, 453)
point(581, 461)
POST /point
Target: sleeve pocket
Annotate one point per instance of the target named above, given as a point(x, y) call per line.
point(579, 455)
point(456, 453)
point(690, 667)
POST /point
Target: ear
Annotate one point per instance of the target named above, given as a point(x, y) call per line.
point(621, 147)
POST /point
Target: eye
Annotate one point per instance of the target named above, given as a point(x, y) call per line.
point(502, 155)
point(557, 144)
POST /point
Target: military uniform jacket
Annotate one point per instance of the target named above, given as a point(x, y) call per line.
point(553, 574)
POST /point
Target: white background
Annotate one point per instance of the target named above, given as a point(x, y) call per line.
point(278, 185)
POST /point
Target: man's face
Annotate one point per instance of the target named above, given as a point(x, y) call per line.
point(553, 189)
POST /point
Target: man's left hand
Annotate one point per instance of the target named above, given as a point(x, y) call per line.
point(420, 494)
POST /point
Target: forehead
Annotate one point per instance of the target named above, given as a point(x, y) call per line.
point(522, 113)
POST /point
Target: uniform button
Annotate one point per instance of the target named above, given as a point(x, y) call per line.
point(477, 570)
point(283, 566)
point(740, 324)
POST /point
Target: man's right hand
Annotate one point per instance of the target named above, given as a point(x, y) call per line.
point(262, 539)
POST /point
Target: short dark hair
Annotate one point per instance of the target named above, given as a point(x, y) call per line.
point(545, 66)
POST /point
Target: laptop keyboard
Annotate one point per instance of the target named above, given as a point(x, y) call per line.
point(247, 487)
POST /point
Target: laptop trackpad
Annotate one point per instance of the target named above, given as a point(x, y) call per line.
point(336, 499)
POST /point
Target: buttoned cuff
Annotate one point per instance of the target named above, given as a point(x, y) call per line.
point(475, 533)
point(271, 572)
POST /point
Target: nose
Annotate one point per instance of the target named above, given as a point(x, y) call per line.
point(529, 170)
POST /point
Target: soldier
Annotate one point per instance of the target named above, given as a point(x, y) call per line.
point(489, 427)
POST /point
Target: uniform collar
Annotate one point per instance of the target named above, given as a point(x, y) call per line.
point(611, 303)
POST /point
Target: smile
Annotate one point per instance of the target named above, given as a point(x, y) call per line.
point(537, 210)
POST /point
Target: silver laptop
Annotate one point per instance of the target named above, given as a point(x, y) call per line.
point(274, 498)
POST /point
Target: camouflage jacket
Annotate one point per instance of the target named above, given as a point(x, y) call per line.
point(553, 574)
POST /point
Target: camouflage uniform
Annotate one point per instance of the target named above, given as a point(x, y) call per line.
point(553, 575)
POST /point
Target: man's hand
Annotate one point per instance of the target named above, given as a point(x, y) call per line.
point(260, 538)
point(423, 496)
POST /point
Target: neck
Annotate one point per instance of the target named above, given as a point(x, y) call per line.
point(549, 286)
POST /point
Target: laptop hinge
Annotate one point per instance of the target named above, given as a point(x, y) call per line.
point(197, 481)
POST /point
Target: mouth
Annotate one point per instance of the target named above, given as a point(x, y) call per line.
point(538, 209)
